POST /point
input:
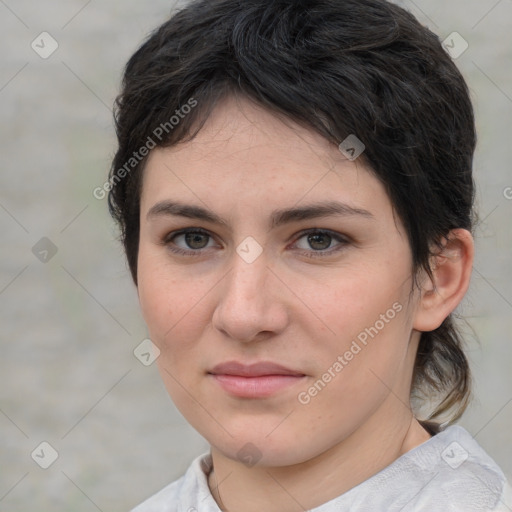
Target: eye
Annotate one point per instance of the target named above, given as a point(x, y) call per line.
point(189, 241)
point(318, 243)
point(195, 240)
point(312, 243)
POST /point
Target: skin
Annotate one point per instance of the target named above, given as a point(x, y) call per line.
point(287, 307)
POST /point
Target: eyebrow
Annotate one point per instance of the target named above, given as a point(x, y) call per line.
point(278, 217)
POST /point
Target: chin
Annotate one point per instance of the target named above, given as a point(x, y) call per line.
point(253, 449)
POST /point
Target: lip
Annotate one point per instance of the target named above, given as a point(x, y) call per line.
point(260, 369)
point(258, 380)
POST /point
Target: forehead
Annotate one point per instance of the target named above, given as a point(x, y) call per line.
point(246, 156)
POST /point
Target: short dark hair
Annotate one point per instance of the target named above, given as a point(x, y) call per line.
point(338, 67)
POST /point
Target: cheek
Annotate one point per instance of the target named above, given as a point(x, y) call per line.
point(363, 318)
point(171, 311)
point(157, 303)
point(167, 302)
point(357, 372)
point(355, 302)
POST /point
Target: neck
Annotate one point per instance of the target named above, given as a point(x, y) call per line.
point(314, 482)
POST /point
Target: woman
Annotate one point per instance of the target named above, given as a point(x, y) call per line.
point(294, 189)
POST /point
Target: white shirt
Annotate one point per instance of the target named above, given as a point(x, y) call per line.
point(448, 473)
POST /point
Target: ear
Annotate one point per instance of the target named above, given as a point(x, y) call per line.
point(451, 271)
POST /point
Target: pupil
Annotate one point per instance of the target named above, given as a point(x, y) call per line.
point(319, 241)
point(196, 240)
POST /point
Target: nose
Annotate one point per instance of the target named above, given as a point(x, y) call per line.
point(252, 303)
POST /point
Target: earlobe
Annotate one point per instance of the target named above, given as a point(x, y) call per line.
point(451, 275)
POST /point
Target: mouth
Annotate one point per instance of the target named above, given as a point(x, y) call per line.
point(259, 380)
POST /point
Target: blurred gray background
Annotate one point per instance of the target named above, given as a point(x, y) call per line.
point(70, 320)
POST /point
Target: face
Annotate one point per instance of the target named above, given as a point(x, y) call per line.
point(276, 282)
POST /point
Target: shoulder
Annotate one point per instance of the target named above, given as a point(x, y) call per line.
point(448, 473)
point(184, 494)
point(456, 474)
point(163, 500)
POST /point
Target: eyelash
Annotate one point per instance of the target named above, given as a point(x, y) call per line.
point(343, 241)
